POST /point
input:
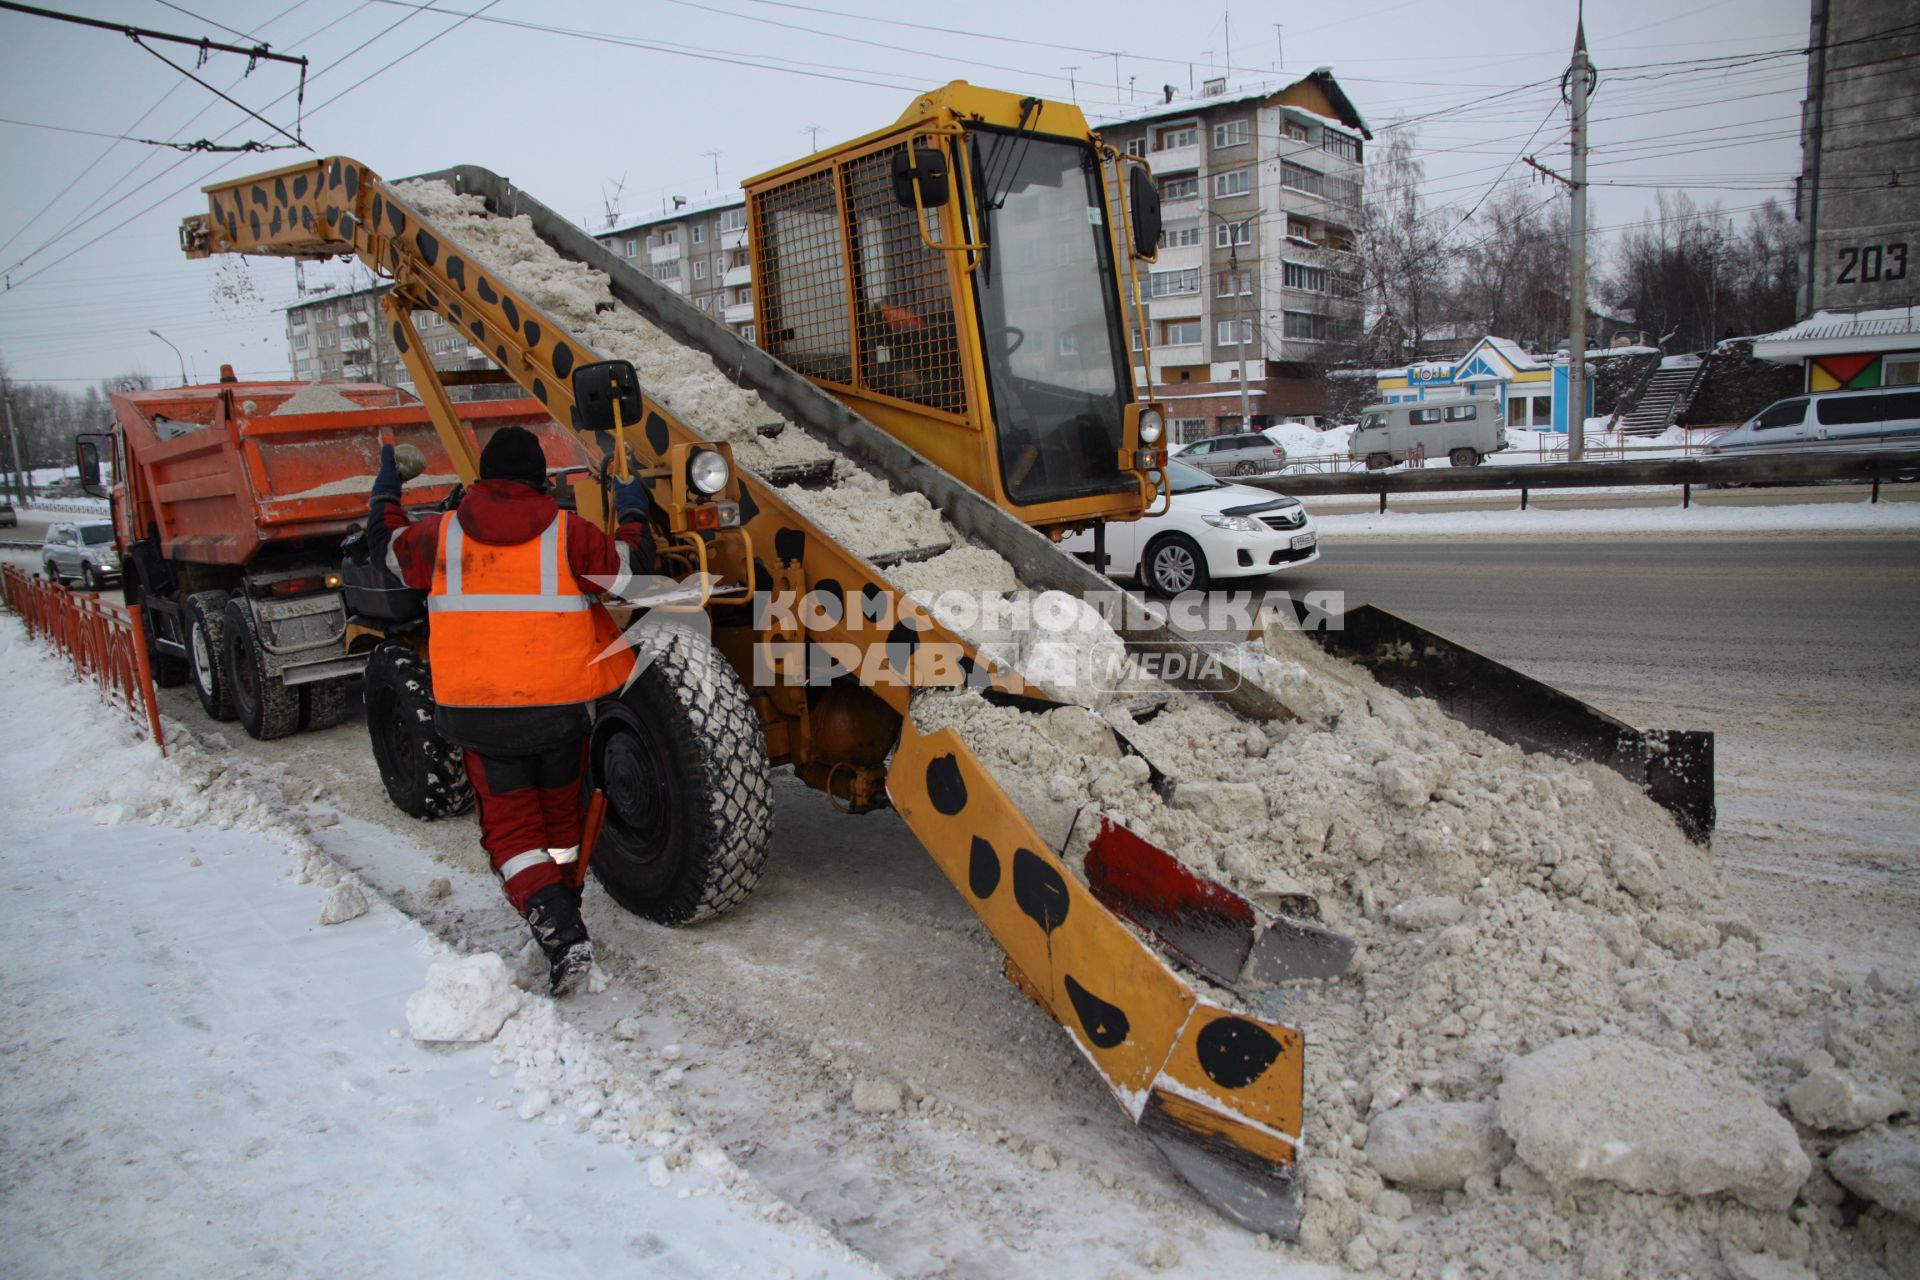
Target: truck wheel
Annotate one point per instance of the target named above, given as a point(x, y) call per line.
point(425, 775)
point(206, 629)
point(689, 808)
point(323, 704)
point(1174, 563)
point(265, 708)
point(1464, 458)
point(1379, 461)
point(169, 670)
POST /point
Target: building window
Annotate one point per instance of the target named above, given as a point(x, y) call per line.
point(1232, 133)
point(631, 248)
point(742, 297)
point(1187, 430)
point(1309, 327)
point(669, 237)
point(1184, 135)
point(1180, 333)
point(300, 340)
point(1137, 146)
point(1900, 370)
point(1339, 144)
point(1232, 282)
point(746, 331)
point(1296, 132)
point(1228, 235)
point(705, 303)
point(1166, 284)
point(699, 233)
point(700, 269)
point(1136, 338)
point(1300, 276)
point(667, 270)
point(1180, 237)
point(733, 220)
point(1180, 189)
point(1233, 333)
point(1234, 182)
point(1301, 178)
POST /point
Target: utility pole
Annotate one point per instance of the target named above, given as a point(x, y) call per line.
point(1575, 85)
point(1581, 75)
point(13, 433)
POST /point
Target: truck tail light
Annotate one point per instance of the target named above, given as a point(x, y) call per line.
point(286, 587)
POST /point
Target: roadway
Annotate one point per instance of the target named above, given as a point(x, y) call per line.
point(1801, 654)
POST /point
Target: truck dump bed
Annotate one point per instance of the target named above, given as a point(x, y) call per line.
point(220, 473)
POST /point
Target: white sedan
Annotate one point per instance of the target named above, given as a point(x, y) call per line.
point(1211, 530)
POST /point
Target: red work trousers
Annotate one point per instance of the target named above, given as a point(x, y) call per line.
point(529, 805)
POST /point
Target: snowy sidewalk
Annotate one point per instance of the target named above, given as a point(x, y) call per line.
point(200, 1079)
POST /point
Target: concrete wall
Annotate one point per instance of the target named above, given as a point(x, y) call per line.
point(1861, 128)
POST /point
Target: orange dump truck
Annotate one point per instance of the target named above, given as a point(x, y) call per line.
point(231, 504)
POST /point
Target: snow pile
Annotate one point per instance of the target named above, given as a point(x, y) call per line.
point(464, 1000)
point(316, 397)
point(1560, 1051)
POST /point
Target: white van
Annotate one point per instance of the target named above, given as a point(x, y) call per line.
point(1462, 431)
point(1883, 418)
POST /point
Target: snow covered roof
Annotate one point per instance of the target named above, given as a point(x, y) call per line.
point(1833, 332)
point(1252, 91)
point(705, 204)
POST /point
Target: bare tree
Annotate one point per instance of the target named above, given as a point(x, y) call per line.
point(1513, 268)
point(1692, 278)
point(1403, 244)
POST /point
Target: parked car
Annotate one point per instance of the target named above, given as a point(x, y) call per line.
point(1463, 432)
point(1241, 454)
point(9, 519)
point(1209, 531)
point(1881, 418)
point(83, 553)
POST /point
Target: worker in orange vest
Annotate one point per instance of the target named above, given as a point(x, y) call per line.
point(521, 649)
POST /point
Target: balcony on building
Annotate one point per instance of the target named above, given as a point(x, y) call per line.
point(1174, 160)
point(1185, 256)
point(738, 313)
point(1185, 354)
point(737, 277)
point(1175, 306)
point(664, 253)
point(353, 342)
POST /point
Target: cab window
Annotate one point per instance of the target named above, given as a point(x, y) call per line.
point(1788, 413)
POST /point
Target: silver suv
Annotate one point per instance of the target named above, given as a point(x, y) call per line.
point(81, 552)
point(1236, 455)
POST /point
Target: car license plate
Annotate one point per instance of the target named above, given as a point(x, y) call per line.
point(1302, 540)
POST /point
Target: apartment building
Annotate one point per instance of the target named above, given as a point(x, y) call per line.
point(1257, 277)
point(344, 337)
point(699, 249)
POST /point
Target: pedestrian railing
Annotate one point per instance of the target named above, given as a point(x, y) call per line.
point(106, 645)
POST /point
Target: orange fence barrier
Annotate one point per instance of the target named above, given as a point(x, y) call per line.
point(102, 642)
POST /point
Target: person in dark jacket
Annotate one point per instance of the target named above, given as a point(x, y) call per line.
point(521, 648)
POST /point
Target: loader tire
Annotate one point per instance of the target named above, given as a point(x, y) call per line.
point(689, 807)
point(323, 704)
point(206, 631)
point(265, 708)
point(425, 775)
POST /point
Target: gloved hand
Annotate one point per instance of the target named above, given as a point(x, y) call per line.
point(631, 501)
point(386, 481)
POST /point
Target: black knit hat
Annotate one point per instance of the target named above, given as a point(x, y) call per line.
point(514, 454)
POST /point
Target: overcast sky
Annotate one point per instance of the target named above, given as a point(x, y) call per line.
point(645, 90)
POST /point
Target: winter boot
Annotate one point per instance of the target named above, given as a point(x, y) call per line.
point(554, 915)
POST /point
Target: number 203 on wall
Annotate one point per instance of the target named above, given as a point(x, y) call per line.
point(1872, 263)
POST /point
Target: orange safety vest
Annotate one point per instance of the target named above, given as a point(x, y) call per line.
point(511, 627)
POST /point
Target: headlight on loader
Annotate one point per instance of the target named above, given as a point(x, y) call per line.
point(708, 471)
point(1152, 427)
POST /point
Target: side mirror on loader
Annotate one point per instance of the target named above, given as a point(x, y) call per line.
point(925, 168)
point(598, 387)
point(1143, 198)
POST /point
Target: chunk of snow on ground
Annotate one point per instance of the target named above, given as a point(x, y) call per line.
point(464, 1000)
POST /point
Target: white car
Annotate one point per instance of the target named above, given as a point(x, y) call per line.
point(1211, 530)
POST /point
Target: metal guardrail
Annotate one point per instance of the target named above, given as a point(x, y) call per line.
point(1861, 466)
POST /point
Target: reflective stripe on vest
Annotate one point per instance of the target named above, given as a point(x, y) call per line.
point(548, 600)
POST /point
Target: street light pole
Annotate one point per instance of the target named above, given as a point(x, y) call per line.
point(176, 355)
point(1580, 75)
point(13, 434)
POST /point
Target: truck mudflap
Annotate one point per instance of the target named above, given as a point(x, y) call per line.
point(1673, 766)
point(304, 639)
point(1219, 1090)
